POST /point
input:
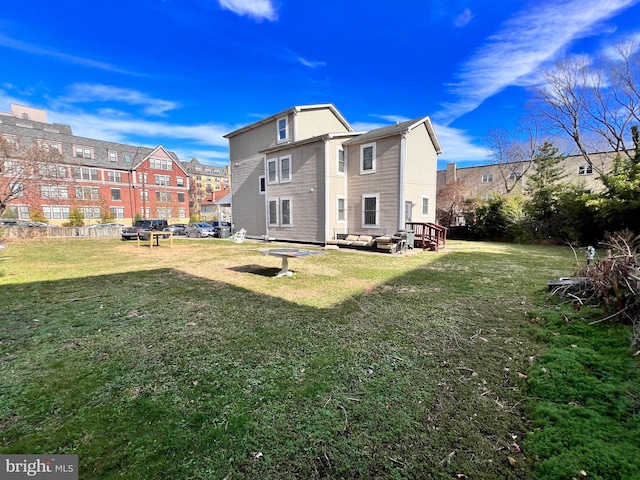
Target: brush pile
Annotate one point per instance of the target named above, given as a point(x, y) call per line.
point(612, 282)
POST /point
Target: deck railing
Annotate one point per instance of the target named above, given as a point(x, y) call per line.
point(428, 235)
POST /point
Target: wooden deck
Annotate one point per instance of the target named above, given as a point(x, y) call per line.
point(428, 235)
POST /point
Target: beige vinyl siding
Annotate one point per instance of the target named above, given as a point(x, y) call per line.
point(420, 172)
point(306, 191)
point(337, 186)
point(248, 204)
point(254, 140)
point(384, 182)
point(313, 123)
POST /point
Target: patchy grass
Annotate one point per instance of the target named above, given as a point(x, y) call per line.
point(195, 363)
point(587, 398)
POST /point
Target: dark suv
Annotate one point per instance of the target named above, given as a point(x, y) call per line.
point(141, 228)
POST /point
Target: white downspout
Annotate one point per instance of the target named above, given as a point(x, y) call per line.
point(326, 190)
point(402, 196)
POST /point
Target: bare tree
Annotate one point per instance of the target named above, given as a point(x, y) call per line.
point(593, 102)
point(513, 152)
point(24, 167)
point(451, 201)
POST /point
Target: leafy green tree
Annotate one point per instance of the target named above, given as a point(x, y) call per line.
point(618, 208)
point(544, 188)
point(76, 219)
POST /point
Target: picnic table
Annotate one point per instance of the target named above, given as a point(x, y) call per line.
point(285, 254)
point(156, 236)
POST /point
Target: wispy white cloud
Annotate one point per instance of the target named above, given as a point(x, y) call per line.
point(523, 45)
point(391, 118)
point(14, 44)
point(257, 9)
point(91, 92)
point(458, 146)
point(463, 19)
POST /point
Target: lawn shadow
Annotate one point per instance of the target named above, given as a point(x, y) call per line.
point(256, 270)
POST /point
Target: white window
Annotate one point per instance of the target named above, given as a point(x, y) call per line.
point(115, 177)
point(16, 189)
point(341, 164)
point(368, 158)
point(425, 206)
point(117, 212)
point(272, 171)
point(262, 184)
point(85, 173)
point(285, 212)
point(273, 211)
point(180, 181)
point(113, 156)
point(54, 191)
point(116, 194)
point(285, 169)
point(83, 152)
point(585, 169)
point(370, 210)
point(515, 175)
point(55, 212)
point(342, 209)
point(487, 177)
point(283, 129)
point(144, 195)
point(162, 179)
point(182, 213)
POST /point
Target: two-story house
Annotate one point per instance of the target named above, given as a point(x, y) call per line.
point(305, 175)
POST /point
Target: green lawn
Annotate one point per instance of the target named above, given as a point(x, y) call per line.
point(195, 363)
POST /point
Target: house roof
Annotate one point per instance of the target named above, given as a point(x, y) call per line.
point(299, 108)
point(397, 129)
point(319, 138)
point(54, 132)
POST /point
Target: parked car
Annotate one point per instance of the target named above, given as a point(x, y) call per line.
point(11, 222)
point(107, 225)
point(141, 229)
point(199, 230)
point(176, 229)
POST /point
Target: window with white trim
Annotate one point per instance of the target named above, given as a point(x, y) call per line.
point(283, 129)
point(113, 156)
point(162, 179)
point(16, 189)
point(285, 212)
point(182, 213)
point(487, 177)
point(585, 169)
point(116, 194)
point(117, 212)
point(370, 210)
point(83, 152)
point(262, 184)
point(273, 211)
point(341, 205)
point(55, 212)
point(285, 169)
point(54, 191)
point(115, 177)
point(424, 211)
point(87, 193)
point(368, 158)
point(272, 171)
point(341, 164)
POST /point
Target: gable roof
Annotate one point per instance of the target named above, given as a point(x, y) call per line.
point(398, 129)
point(300, 108)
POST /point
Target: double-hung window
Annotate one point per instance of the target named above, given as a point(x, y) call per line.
point(585, 169)
point(370, 210)
point(283, 129)
point(273, 211)
point(272, 171)
point(487, 177)
point(341, 164)
point(368, 158)
point(425, 206)
point(285, 169)
point(285, 212)
point(342, 209)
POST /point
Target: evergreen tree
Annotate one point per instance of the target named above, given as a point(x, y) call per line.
point(544, 188)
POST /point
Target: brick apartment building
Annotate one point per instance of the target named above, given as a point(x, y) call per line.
point(91, 175)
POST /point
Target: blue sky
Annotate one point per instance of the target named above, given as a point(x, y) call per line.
point(182, 73)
